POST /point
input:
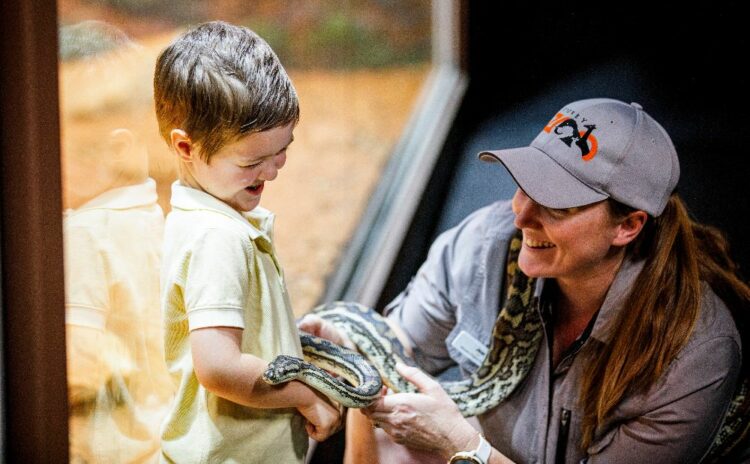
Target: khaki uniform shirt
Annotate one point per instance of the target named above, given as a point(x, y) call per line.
point(220, 269)
point(458, 290)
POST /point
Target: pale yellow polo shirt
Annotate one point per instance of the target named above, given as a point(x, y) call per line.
point(119, 388)
point(220, 269)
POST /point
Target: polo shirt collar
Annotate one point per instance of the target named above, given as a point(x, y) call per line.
point(130, 196)
point(259, 221)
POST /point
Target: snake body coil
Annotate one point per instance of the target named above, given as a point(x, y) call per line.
point(362, 383)
point(516, 337)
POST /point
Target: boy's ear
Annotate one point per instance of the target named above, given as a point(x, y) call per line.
point(182, 144)
point(630, 227)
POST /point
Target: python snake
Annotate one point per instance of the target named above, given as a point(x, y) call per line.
point(516, 337)
point(362, 386)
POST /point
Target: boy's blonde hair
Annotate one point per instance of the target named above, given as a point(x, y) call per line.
point(218, 82)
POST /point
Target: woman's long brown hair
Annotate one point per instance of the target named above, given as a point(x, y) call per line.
point(660, 312)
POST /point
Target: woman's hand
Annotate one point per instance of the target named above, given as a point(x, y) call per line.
point(428, 420)
point(319, 327)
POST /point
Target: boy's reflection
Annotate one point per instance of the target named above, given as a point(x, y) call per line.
point(118, 384)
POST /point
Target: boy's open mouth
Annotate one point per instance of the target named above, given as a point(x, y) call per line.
point(255, 189)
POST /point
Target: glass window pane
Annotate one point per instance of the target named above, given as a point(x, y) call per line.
point(358, 67)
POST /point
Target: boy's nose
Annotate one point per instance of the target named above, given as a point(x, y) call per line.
point(270, 171)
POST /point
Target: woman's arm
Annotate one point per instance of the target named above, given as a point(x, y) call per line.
point(225, 371)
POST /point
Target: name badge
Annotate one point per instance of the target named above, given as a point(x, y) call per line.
point(470, 347)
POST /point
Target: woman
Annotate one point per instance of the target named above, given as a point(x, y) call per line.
point(641, 355)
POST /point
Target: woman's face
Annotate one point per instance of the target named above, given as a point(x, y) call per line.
point(573, 243)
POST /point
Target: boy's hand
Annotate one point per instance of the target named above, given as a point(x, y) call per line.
point(323, 419)
point(315, 325)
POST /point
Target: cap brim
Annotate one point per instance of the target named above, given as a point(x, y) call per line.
point(542, 179)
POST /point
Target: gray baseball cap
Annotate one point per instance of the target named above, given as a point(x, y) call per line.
point(592, 150)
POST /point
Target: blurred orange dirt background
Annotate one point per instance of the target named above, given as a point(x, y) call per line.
point(350, 121)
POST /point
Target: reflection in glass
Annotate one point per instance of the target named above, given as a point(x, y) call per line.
point(118, 385)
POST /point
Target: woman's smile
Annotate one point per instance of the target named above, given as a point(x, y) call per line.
point(537, 244)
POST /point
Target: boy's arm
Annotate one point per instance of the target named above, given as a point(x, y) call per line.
point(225, 371)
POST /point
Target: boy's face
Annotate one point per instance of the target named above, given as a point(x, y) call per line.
point(236, 173)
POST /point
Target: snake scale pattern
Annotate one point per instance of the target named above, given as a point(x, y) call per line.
point(361, 383)
point(516, 338)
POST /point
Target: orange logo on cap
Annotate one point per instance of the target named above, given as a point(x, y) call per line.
point(559, 117)
point(585, 141)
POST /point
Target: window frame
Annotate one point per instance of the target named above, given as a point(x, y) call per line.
point(366, 264)
point(34, 385)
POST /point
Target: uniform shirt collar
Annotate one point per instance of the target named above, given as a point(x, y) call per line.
point(616, 295)
point(259, 221)
point(130, 196)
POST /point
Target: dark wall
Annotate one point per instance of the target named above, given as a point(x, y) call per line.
point(684, 57)
point(526, 62)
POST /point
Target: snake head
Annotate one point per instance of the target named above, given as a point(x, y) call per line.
point(282, 369)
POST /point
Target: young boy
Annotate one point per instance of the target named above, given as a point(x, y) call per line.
point(227, 109)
